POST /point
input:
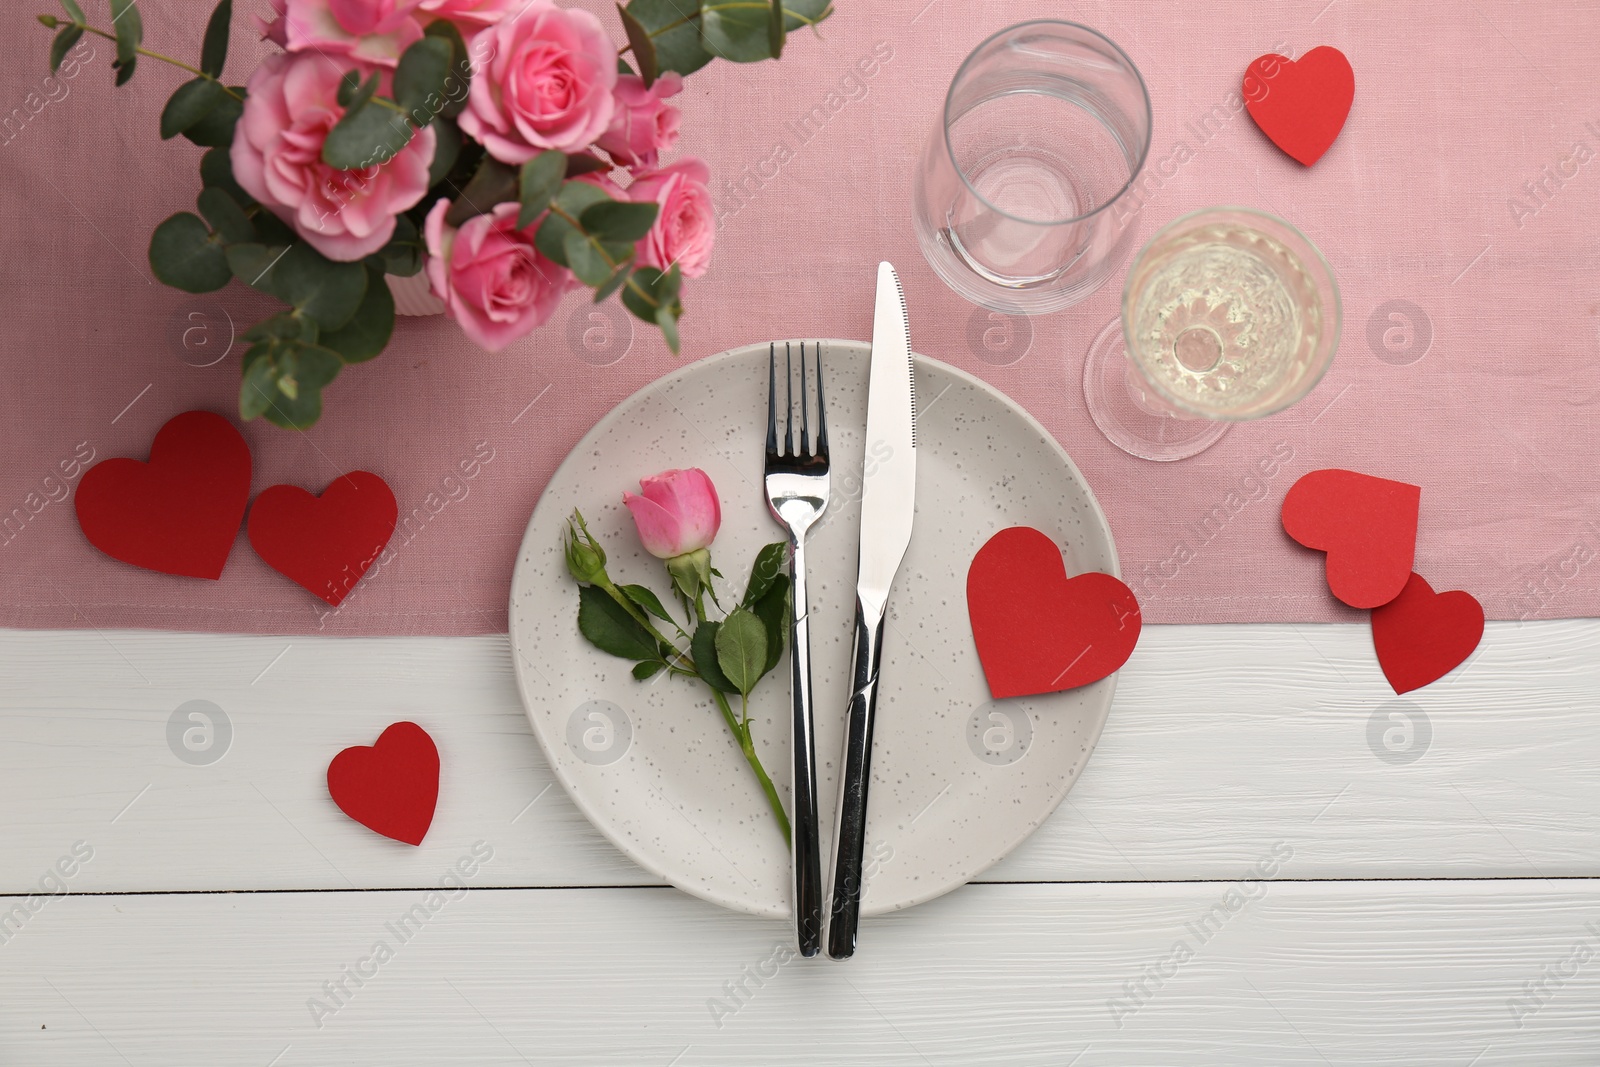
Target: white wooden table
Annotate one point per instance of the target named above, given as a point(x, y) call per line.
point(1269, 860)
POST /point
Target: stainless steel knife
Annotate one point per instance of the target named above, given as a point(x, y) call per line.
point(888, 499)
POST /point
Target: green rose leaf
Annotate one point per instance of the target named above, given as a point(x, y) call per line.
point(369, 329)
point(619, 221)
point(773, 611)
point(538, 183)
point(214, 49)
point(129, 28)
point(672, 27)
point(766, 569)
point(214, 129)
point(256, 265)
point(647, 600)
point(420, 76)
point(608, 626)
point(798, 13)
point(327, 291)
point(742, 649)
point(402, 256)
point(736, 30)
point(459, 79)
point(185, 255)
point(62, 44)
point(216, 171)
point(446, 150)
point(369, 134)
point(703, 647)
point(492, 183)
point(641, 671)
point(644, 49)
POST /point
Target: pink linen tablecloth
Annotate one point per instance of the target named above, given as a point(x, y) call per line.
point(1459, 210)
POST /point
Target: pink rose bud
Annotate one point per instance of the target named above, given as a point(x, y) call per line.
point(543, 79)
point(277, 158)
point(676, 511)
point(687, 226)
point(493, 281)
point(643, 125)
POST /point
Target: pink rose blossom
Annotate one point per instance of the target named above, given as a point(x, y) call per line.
point(542, 80)
point(492, 279)
point(686, 227)
point(643, 125)
point(472, 14)
point(676, 511)
point(370, 31)
point(277, 158)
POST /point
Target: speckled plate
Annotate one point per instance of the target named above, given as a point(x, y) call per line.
point(958, 779)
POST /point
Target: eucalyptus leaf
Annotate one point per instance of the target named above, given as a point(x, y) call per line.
point(300, 372)
point(621, 221)
point(647, 599)
point(800, 13)
point(766, 570)
point(349, 85)
point(644, 278)
point(225, 215)
point(538, 182)
point(370, 328)
point(129, 29)
point(62, 44)
point(673, 29)
point(402, 256)
point(777, 29)
point(446, 149)
point(736, 30)
point(618, 279)
point(742, 649)
point(71, 7)
point(371, 133)
point(492, 183)
point(216, 171)
point(608, 626)
point(584, 163)
point(583, 258)
point(185, 255)
point(459, 81)
point(667, 321)
point(214, 49)
point(622, 64)
point(644, 49)
point(214, 129)
point(419, 79)
point(703, 647)
point(326, 290)
point(256, 265)
point(124, 70)
point(271, 230)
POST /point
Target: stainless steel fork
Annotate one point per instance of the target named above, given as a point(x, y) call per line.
point(797, 493)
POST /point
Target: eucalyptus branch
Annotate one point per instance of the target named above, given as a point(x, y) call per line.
point(631, 283)
point(180, 64)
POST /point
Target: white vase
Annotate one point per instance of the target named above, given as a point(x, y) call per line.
point(413, 295)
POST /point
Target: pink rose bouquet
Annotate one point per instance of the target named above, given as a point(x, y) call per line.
point(506, 150)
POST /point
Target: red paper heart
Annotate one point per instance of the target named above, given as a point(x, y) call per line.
point(1301, 105)
point(391, 787)
point(1421, 636)
point(1366, 525)
point(1039, 631)
point(324, 543)
point(180, 512)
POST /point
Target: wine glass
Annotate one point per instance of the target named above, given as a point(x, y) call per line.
point(1228, 314)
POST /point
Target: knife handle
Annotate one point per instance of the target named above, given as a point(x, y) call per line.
point(804, 830)
point(850, 835)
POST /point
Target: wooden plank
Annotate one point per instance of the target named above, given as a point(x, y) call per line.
point(1223, 739)
point(1283, 974)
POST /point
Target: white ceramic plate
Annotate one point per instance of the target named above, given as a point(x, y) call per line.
point(958, 780)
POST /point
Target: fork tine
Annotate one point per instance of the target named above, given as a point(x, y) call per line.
point(807, 441)
point(822, 418)
point(788, 403)
point(772, 390)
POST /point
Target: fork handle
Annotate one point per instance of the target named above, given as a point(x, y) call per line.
point(805, 834)
point(850, 836)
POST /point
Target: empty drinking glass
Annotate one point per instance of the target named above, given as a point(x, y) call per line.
point(1045, 127)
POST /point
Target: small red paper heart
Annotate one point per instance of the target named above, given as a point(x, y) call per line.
point(1037, 630)
point(1301, 105)
point(1366, 525)
point(391, 787)
point(1421, 636)
point(180, 512)
point(324, 543)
